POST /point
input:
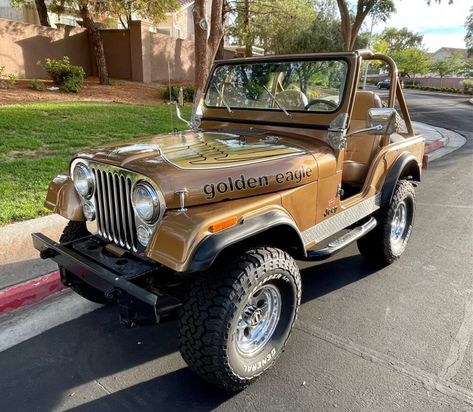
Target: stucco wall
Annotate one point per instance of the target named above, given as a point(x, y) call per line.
point(23, 45)
point(180, 55)
point(455, 82)
point(116, 45)
point(134, 54)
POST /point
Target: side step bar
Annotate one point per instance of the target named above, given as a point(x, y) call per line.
point(341, 242)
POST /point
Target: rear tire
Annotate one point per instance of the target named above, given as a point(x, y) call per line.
point(74, 231)
point(236, 320)
point(386, 243)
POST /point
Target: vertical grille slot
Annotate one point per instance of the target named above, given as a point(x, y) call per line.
point(115, 215)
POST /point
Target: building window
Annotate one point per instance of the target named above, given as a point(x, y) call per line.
point(164, 30)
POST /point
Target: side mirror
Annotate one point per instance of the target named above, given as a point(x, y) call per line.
point(382, 120)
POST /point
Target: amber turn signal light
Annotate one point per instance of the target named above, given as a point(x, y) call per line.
point(224, 224)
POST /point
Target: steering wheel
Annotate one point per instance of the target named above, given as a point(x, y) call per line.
point(329, 103)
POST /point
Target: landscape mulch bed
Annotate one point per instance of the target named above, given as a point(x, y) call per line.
point(120, 91)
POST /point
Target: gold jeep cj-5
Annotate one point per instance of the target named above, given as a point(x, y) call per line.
point(205, 225)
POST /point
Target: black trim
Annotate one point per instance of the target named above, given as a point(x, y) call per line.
point(392, 177)
point(266, 123)
point(289, 57)
point(208, 250)
point(282, 59)
point(95, 274)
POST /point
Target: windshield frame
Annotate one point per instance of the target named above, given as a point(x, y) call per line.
point(281, 59)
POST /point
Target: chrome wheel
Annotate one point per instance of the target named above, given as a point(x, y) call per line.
point(398, 227)
point(258, 320)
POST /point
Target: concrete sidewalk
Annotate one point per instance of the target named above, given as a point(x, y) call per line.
point(22, 269)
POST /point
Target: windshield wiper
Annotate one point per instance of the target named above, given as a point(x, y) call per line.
point(222, 98)
point(277, 102)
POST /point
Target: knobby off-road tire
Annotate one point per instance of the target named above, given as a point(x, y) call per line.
point(228, 309)
point(73, 231)
point(386, 243)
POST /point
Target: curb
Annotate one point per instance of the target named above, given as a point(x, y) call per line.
point(435, 145)
point(29, 292)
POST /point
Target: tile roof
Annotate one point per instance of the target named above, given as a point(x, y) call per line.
point(184, 2)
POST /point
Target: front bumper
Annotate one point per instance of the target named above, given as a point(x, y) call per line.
point(122, 279)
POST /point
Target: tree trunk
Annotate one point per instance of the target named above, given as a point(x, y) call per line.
point(246, 25)
point(42, 12)
point(200, 41)
point(350, 30)
point(346, 24)
point(206, 43)
point(95, 40)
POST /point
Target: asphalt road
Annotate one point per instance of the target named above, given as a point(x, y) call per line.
point(399, 338)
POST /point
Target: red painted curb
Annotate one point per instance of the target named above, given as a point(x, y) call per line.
point(436, 144)
point(31, 291)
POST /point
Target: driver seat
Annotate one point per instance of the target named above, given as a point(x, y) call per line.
point(362, 147)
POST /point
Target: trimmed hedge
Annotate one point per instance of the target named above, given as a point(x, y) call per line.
point(466, 89)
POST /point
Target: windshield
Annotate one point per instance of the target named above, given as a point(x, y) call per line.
point(285, 86)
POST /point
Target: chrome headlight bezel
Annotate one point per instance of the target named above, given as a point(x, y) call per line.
point(85, 184)
point(144, 195)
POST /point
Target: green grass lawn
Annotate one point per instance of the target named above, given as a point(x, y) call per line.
point(38, 140)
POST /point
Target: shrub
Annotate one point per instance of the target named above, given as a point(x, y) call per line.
point(468, 86)
point(187, 91)
point(67, 76)
point(7, 81)
point(37, 85)
point(12, 78)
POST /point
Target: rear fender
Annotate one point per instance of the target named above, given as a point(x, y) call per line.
point(404, 167)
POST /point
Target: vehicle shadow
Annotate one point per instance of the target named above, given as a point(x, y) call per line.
point(46, 369)
point(321, 278)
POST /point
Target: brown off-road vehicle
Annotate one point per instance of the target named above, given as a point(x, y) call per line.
point(285, 160)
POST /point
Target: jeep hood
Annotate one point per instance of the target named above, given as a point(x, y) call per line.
point(215, 166)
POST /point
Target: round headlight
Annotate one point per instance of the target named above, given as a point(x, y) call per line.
point(83, 180)
point(146, 202)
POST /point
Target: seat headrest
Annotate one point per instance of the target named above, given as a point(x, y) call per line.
point(364, 100)
point(292, 99)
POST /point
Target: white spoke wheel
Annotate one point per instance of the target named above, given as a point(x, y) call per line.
point(236, 320)
point(386, 243)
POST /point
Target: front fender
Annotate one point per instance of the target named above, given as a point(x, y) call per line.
point(183, 242)
point(209, 249)
point(63, 199)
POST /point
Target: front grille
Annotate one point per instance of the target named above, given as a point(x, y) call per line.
point(115, 214)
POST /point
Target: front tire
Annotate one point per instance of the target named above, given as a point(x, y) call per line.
point(236, 320)
point(386, 243)
point(74, 231)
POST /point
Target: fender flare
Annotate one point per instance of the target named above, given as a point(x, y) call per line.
point(405, 165)
point(210, 247)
